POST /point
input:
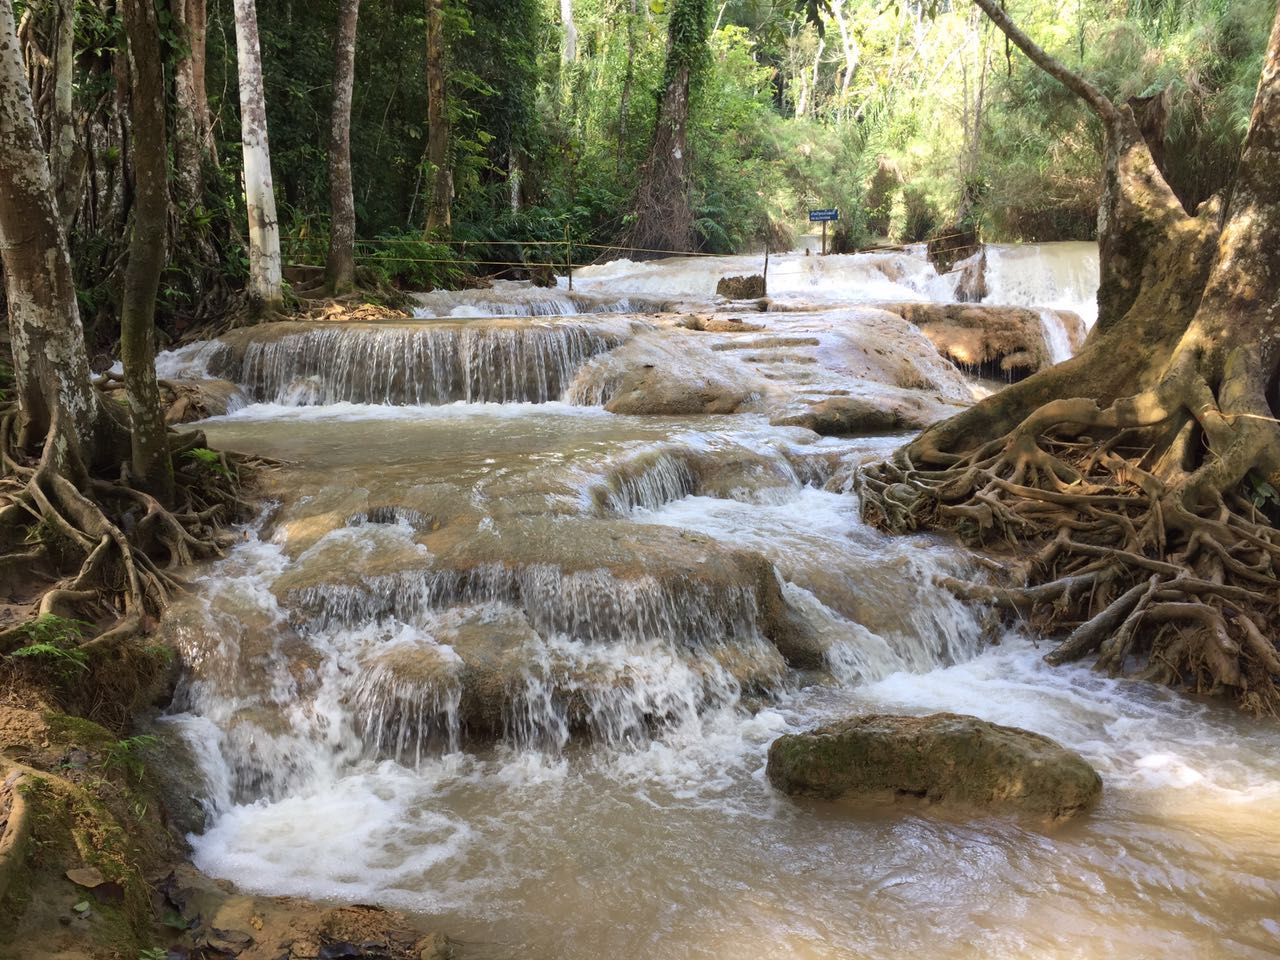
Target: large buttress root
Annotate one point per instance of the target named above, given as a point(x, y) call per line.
point(1137, 540)
point(1136, 482)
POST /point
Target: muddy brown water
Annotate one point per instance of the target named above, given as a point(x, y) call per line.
point(655, 834)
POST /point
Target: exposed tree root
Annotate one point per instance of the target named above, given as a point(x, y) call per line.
point(106, 549)
point(1142, 562)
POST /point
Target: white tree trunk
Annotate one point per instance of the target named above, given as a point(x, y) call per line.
point(570, 49)
point(259, 193)
point(850, 47)
point(813, 82)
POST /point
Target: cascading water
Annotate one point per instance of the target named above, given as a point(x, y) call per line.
point(521, 299)
point(516, 669)
point(428, 364)
point(1061, 275)
point(1057, 342)
point(849, 278)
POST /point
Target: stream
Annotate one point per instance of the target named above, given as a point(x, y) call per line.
point(494, 656)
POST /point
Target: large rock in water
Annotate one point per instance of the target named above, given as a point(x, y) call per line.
point(945, 758)
point(741, 288)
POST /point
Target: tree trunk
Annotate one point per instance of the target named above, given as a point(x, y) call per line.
point(340, 267)
point(664, 216)
point(440, 202)
point(1135, 482)
point(192, 135)
point(813, 77)
point(628, 81)
point(849, 46)
point(569, 51)
point(152, 460)
point(67, 159)
point(264, 228)
point(56, 402)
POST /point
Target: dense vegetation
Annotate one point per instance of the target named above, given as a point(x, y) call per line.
point(909, 116)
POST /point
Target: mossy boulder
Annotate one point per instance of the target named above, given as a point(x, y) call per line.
point(942, 758)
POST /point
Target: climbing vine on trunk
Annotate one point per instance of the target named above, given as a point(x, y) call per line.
point(663, 206)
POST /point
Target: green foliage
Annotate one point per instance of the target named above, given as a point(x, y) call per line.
point(688, 29)
point(208, 459)
point(128, 756)
point(52, 646)
point(414, 263)
point(797, 102)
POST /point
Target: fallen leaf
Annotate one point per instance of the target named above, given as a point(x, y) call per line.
point(86, 877)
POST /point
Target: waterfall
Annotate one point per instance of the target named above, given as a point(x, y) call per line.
point(515, 299)
point(422, 364)
point(1061, 275)
point(1056, 340)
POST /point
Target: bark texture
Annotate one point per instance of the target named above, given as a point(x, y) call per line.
point(340, 266)
point(1135, 482)
point(440, 202)
point(56, 402)
point(64, 549)
point(192, 133)
point(152, 462)
point(259, 190)
point(663, 209)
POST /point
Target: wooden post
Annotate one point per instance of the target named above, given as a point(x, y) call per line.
point(767, 230)
point(824, 238)
point(568, 255)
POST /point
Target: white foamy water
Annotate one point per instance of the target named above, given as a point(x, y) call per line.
point(848, 278)
point(1055, 336)
point(683, 847)
point(1061, 275)
point(456, 676)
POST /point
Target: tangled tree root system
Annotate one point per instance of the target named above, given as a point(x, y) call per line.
point(1111, 555)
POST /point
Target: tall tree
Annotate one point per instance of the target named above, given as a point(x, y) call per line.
point(628, 81)
point(340, 266)
point(663, 212)
point(1138, 478)
point(192, 131)
point(152, 461)
point(440, 205)
point(569, 49)
point(57, 407)
point(63, 433)
point(259, 190)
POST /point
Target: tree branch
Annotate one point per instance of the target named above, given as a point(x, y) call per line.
point(1082, 88)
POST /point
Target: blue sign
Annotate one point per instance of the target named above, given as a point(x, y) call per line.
point(823, 216)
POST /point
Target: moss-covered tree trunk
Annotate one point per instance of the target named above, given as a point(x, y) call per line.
point(65, 502)
point(340, 266)
point(440, 203)
point(663, 210)
point(151, 459)
point(1136, 481)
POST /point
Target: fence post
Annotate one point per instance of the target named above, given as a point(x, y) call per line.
point(568, 255)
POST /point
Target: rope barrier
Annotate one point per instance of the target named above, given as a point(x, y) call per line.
point(321, 240)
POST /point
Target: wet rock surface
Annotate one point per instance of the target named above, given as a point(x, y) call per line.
point(223, 924)
point(741, 288)
point(943, 758)
point(994, 339)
